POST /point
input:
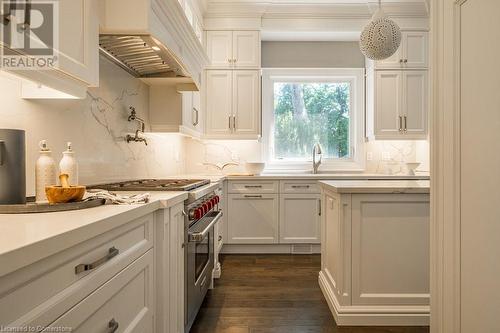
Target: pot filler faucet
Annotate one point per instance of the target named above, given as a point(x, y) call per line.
point(137, 138)
point(316, 151)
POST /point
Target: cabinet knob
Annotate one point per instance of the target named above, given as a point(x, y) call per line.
point(405, 61)
point(400, 61)
point(220, 238)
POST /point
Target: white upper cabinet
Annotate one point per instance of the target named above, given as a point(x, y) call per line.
point(219, 48)
point(412, 53)
point(415, 103)
point(219, 102)
point(246, 49)
point(192, 115)
point(397, 91)
point(388, 103)
point(233, 104)
point(246, 102)
point(77, 55)
point(233, 49)
point(401, 105)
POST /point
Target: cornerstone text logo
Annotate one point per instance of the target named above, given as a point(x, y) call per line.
point(29, 34)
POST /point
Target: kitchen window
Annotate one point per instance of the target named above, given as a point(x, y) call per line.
point(302, 107)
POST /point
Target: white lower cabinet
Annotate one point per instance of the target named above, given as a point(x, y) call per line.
point(300, 218)
point(128, 279)
point(375, 258)
point(170, 260)
point(253, 218)
point(123, 304)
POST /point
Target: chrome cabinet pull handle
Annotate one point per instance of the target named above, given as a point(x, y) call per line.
point(253, 196)
point(319, 207)
point(300, 186)
point(112, 252)
point(196, 112)
point(406, 128)
point(2, 146)
point(400, 123)
point(113, 326)
point(253, 186)
point(234, 122)
point(230, 122)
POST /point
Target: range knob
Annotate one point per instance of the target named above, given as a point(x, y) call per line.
point(196, 213)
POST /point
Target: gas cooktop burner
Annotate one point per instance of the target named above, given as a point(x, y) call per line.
point(153, 185)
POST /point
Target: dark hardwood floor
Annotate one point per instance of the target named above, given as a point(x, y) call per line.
point(273, 293)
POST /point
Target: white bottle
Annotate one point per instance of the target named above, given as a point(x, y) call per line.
point(45, 172)
point(69, 166)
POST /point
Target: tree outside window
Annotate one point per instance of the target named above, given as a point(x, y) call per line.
point(307, 113)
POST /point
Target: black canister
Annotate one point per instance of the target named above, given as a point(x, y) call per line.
point(12, 166)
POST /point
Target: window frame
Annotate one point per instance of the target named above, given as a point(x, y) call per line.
point(356, 76)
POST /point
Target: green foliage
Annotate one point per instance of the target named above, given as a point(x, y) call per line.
point(324, 120)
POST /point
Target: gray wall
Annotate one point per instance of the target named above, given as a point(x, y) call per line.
point(312, 55)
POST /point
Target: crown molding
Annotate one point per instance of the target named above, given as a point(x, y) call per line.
point(354, 9)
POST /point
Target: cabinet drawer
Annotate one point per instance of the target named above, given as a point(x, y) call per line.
point(253, 187)
point(297, 186)
point(43, 291)
point(123, 304)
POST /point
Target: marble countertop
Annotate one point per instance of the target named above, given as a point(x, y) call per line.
point(28, 238)
point(377, 186)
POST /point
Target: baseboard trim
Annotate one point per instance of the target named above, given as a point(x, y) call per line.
point(373, 315)
point(265, 249)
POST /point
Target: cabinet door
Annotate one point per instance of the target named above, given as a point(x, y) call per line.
point(246, 49)
point(176, 278)
point(388, 95)
point(125, 301)
point(246, 103)
point(79, 40)
point(188, 116)
point(252, 218)
point(415, 87)
point(300, 218)
point(219, 102)
point(390, 251)
point(219, 49)
point(415, 49)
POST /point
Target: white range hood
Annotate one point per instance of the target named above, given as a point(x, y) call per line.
point(152, 40)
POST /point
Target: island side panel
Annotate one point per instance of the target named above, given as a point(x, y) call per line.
point(390, 249)
point(336, 248)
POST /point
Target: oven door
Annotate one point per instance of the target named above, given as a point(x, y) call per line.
point(200, 262)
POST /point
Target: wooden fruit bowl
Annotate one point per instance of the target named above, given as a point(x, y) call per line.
point(64, 193)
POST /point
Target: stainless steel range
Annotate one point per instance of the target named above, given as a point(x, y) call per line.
point(201, 214)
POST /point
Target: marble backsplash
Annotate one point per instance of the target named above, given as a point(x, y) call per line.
point(97, 127)
point(383, 157)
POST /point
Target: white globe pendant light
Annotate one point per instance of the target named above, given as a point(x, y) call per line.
point(380, 39)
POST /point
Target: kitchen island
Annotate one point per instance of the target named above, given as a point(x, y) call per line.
point(375, 251)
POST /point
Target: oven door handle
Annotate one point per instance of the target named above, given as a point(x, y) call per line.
point(200, 236)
